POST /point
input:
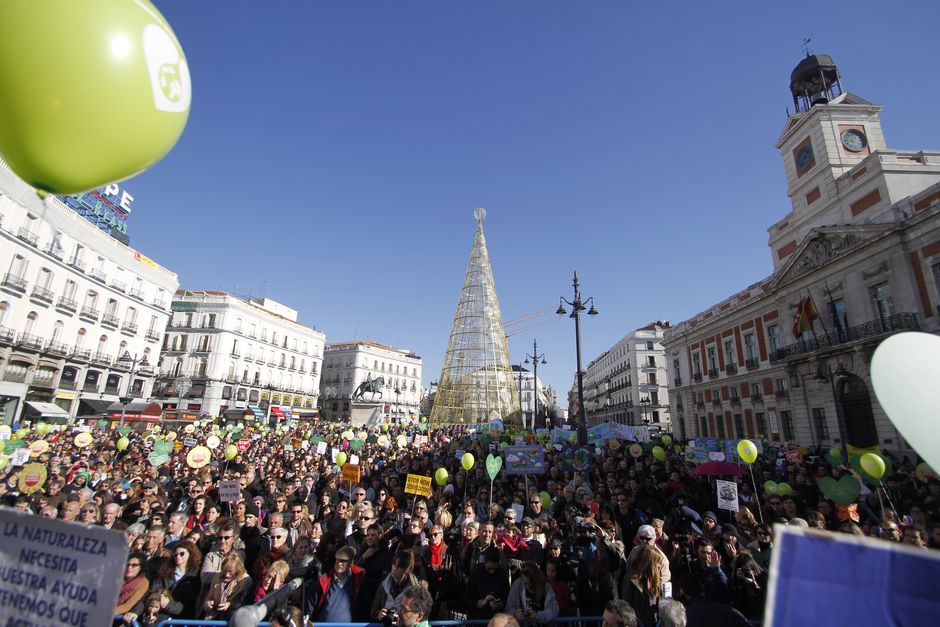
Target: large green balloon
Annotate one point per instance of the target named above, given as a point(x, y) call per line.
point(230, 451)
point(441, 476)
point(91, 92)
point(467, 461)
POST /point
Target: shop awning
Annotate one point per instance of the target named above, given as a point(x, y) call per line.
point(48, 410)
point(96, 405)
point(136, 411)
point(309, 415)
point(256, 411)
point(277, 412)
point(237, 413)
point(287, 414)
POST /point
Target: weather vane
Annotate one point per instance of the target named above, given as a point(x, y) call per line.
point(806, 45)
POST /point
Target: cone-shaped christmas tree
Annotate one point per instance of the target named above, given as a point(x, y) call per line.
point(476, 383)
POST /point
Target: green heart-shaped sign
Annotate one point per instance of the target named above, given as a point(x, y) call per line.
point(355, 445)
point(103, 424)
point(844, 491)
point(493, 465)
point(422, 427)
point(124, 431)
point(162, 447)
point(855, 462)
point(157, 459)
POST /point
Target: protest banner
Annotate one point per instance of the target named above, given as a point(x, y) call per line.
point(20, 456)
point(525, 460)
point(727, 495)
point(351, 473)
point(229, 491)
point(57, 572)
point(578, 459)
point(819, 578)
point(565, 436)
point(418, 484)
point(321, 447)
point(599, 434)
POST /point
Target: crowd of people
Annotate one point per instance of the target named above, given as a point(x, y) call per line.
point(635, 540)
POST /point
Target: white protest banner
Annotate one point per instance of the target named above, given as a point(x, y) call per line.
point(321, 448)
point(353, 459)
point(57, 572)
point(516, 507)
point(727, 495)
point(20, 456)
point(333, 453)
point(229, 491)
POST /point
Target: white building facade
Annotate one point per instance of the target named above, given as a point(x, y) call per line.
point(535, 399)
point(862, 241)
point(73, 302)
point(346, 365)
point(627, 383)
point(224, 355)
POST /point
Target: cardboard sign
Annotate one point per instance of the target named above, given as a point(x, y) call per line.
point(819, 578)
point(321, 448)
point(189, 442)
point(351, 473)
point(418, 484)
point(229, 491)
point(32, 478)
point(727, 495)
point(243, 445)
point(525, 460)
point(794, 457)
point(20, 456)
point(66, 573)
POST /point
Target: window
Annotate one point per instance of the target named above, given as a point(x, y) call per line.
point(789, 431)
point(750, 350)
point(729, 353)
point(761, 421)
point(30, 322)
point(780, 387)
point(18, 267)
point(44, 280)
point(720, 423)
point(4, 310)
point(712, 358)
point(652, 378)
point(755, 390)
point(130, 317)
point(70, 287)
point(654, 398)
point(936, 278)
point(704, 422)
point(649, 345)
point(773, 337)
point(820, 424)
point(881, 296)
point(739, 426)
point(696, 365)
point(77, 257)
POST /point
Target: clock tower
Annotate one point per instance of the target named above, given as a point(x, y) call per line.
point(829, 133)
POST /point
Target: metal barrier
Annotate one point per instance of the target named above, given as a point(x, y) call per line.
point(562, 620)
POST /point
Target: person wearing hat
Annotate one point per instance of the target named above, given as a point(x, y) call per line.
point(646, 536)
point(335, 596)
point(710, 528)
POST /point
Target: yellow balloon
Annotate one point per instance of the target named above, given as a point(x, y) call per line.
point(873, 464)
point(467, 461)
point(341, 459)
point(747, 451)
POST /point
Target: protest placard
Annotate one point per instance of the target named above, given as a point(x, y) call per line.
point(418, 484)
point(57, 572)
point(525, 460)
point(351, 473)
point(727, 495)
point(819, 578)
point(321, 447)
point(229, 491)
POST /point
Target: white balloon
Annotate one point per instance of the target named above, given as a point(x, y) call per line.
point(905, 370)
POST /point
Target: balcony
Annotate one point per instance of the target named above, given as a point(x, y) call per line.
point(15, 282)
point(731, 369)
point(81, 354)
point(302, 370)
point(700, 404)
point(41, 294)
point(57, 348)
point(152, 334)
point(145, 369)
point(236, 353)
point(697, 377)
point(28, 236)
point(677, 381)
point(78, 264)
point(65, 384)
point(90, 312)
point(757, 398)
point(67, 304)
point(119, 285)
point(292, 368)
point(28, 341)
point(781, 393)
point(735, 401)
point(110, 320)
point(98, 275)
point(871, 330)
point(713, 373)
point(129, 328)
point(716, 402)
point(54, 250)
point(752, 363)
point(100, 358)
point(7, 335)
point(112, 389)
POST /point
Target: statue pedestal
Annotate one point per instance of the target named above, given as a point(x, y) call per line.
point(366, 414)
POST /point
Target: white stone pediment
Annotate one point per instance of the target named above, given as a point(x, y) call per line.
point(824, 245)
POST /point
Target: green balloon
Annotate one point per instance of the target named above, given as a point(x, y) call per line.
point(82, 111)
point(230, 451)
point(440, 476)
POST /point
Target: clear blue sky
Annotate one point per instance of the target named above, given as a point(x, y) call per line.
point(335, 153)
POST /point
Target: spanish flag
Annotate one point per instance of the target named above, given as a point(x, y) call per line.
point(806, 314)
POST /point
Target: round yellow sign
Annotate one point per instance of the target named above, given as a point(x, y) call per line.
point(32, 478)
point(198, 457)
point(38, 447)
point(83, 439)
point(213, 441)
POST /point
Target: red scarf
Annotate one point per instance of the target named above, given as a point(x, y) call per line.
point(437, 552)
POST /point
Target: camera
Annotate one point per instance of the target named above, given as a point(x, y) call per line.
point(391, 618)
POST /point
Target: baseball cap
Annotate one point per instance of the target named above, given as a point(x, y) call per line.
point(646, 531)
point(528, 521)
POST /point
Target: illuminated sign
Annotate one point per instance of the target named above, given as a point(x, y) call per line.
point(107, 207)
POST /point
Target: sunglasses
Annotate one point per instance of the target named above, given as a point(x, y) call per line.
point(297, 511)
point(181, 554)
point(226, 537)
point(88, 511)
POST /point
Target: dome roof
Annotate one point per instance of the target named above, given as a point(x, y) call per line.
point(810, 68)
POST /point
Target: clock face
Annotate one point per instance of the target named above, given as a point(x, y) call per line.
point(805, 157)
point(854, 140)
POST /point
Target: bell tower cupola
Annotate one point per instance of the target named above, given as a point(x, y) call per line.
point(815, 80)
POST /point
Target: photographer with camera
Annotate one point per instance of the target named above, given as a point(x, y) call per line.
point(531, 598)
point(386, 604)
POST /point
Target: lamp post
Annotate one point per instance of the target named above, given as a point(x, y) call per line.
point(577, 306)
point(535, 357)
point(131, 364)
point(828, 375)
point(397, 406)
point(645, 403)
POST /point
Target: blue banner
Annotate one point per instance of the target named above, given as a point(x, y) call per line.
point(598, 434)
point(525, 460)
point(842, 579)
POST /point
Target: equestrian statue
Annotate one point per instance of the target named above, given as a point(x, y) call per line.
point(372, 385)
